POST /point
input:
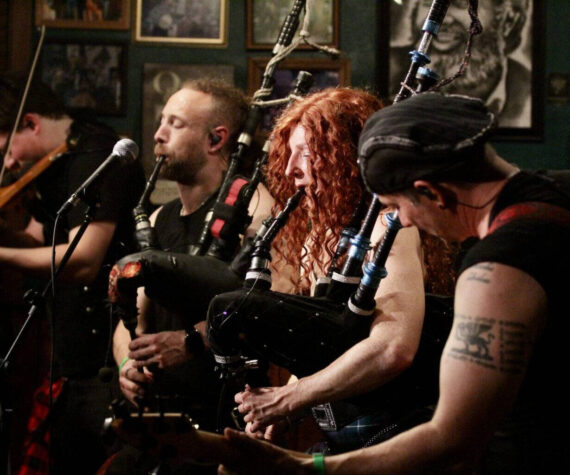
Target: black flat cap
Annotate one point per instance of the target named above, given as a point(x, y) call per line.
point(427, 136)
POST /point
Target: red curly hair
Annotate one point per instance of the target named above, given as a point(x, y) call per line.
point(333, 119)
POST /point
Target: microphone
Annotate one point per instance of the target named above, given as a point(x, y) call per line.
point(123, 149)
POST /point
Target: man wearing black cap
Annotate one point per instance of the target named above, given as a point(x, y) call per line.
point(500, 409)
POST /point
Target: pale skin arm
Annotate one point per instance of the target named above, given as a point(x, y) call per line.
point(31, 236)
point(454, 439)
point(390, 348)
point(131, 381)
point(84, 263)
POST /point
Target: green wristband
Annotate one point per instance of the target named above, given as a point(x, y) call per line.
point(319, 462)
point(122, 363)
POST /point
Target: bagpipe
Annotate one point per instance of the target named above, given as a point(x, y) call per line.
point(283, 328)
point(304, 334)
point(169, 277)
point(185, 283)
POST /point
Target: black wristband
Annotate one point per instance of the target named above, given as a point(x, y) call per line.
point(193, 342)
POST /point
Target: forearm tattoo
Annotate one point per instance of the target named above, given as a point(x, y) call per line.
point(501, 345)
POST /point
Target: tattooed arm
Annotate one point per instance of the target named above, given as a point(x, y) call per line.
point(499, 311)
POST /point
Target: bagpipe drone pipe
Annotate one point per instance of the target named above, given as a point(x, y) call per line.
point(421, 78)
point(229, 218)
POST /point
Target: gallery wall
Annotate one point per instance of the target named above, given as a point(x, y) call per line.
point(362, 36)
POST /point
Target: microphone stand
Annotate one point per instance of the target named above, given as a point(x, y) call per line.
point(36, 299)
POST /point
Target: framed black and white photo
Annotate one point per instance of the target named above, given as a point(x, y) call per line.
point(193, 23)
point(264, 19)
point(94, 14)
point(326, 73)
point(506, 65)
point(160, 81)
point(87, 75)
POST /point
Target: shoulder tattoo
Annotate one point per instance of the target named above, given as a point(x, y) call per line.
point(500, 345)
point(480, 272)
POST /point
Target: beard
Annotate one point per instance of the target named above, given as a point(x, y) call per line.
point(181, 170)
point(485, 67)
point(174, 171)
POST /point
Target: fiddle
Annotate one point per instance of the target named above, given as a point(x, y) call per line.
point(8, 192)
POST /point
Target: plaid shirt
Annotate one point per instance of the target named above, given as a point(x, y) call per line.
point(36, 445)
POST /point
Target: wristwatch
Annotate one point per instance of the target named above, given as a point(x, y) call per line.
point(193, 342)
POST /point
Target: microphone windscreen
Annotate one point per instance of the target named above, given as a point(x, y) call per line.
point(126, 148)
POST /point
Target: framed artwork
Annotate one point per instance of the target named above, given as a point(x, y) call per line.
point(326, 73)
point(97, 14)
point(507, 59)
point(197, 23)
point(87, 75)
point(264, 19)
point(160, 81)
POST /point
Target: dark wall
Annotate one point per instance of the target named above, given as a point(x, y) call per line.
point(360, 25)
point(554, 150)
point(3, 35)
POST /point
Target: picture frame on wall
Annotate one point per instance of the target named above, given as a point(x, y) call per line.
point(506, 67)
point(199, 23)
point(93, 14)
point(87, 75)
point(160, 81)
point(264, 19)
point(326, 73)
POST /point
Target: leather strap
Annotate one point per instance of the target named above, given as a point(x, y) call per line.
point(531, 209)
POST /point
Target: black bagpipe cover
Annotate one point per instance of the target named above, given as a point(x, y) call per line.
point(300, 333)
point(305, 334)
point(183, 283)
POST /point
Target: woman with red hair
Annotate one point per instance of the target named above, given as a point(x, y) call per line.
point(314, 146)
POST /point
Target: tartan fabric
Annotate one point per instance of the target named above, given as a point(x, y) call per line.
point(358, 433)
point(36, 445)
point(372, 429)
